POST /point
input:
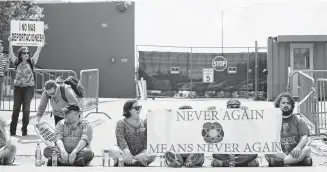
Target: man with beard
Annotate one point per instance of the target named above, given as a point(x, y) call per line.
point(294, 136)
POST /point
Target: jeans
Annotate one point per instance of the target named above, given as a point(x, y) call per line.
point(2, 80)
point(191, 160)
point(22, 96)
point(85, 154)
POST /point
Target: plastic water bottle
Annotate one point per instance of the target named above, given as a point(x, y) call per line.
point(105, 158)
point(232, 160)
point(120, 162)
point(54, 159)
point(162, 161)
point(38, 155)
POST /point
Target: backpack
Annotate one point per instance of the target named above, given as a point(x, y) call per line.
point(75, 84)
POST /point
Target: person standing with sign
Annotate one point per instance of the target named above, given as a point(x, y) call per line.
point(4, 65)
point(24, 83)
point(131, 134)
point(294, 136)
point(187, 160)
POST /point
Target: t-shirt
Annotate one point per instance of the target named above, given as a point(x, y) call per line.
point(293, 128)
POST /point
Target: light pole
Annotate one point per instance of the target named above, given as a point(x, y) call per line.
point(222, 26)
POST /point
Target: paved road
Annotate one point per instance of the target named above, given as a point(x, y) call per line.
point(104, 135)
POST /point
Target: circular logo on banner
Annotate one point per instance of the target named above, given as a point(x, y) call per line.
point(212, 132)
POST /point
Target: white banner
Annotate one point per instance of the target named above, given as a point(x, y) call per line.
point(208, 75)
point(27, 33)
point(226, 131)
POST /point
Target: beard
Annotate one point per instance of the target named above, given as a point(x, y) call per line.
point(287, 111)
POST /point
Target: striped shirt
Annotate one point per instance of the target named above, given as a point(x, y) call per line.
point(3, 140)
point(3, 63)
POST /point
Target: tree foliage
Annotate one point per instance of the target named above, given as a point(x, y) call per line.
point(18, 10)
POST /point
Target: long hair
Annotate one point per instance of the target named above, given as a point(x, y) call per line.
point(127, 107)
point(287, 95)
point(20, 59)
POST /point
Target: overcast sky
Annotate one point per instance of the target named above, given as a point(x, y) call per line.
point(198, 22)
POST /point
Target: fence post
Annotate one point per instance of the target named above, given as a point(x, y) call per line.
point(256, 70)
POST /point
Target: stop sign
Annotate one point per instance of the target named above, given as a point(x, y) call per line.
point(219, 63)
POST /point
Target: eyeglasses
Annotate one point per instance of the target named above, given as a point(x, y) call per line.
point(137, 107)
point(25, 53)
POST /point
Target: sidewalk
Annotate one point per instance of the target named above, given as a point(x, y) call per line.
point(28, 162)
point(113, 107)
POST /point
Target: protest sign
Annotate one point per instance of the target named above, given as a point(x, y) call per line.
point(27, 33)
point(226, 131)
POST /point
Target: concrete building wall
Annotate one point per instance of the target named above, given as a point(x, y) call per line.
point(279, 60)
point(88, 35)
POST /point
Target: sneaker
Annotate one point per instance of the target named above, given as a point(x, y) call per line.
point(79, 162)
point(253, 163)
point(24, 134)
point(219, 163)
point(193, 160)
point(173, 159)
point(2, 161)
point(274, 161)
point(304, 162)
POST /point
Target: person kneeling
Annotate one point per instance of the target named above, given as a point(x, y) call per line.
point(294, 136)
point(187, 160)
point(131, 135)
point(73, 138)
point(7, 149)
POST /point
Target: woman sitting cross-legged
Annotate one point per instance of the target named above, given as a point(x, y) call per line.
point(131, 134)
point(187, 160)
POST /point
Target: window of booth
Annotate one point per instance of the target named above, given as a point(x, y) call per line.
point(301, 58)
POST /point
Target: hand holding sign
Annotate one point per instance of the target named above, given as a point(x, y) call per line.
point(27, 33)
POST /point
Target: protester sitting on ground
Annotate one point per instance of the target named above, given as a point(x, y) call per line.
point(24, 83)
point(187, 160)
point(73, 139)
point(54, 91)
point(294, 136)
point(241, 160)
point(131, 135)
point(7, 149)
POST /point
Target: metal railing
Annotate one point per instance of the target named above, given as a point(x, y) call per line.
point(307, 106)
point(41, 76)
point(322, 112)
point(312, 98)
point(90, 80)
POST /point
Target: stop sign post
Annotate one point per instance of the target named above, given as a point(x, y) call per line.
point(219, 63)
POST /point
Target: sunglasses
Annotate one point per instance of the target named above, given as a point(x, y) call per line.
point(53, 93)
point(25, 53)
point(137, 107)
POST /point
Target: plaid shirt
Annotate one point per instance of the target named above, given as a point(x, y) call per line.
point(3, 140)
point(71, 136)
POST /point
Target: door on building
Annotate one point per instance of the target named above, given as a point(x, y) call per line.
point(301, 60)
